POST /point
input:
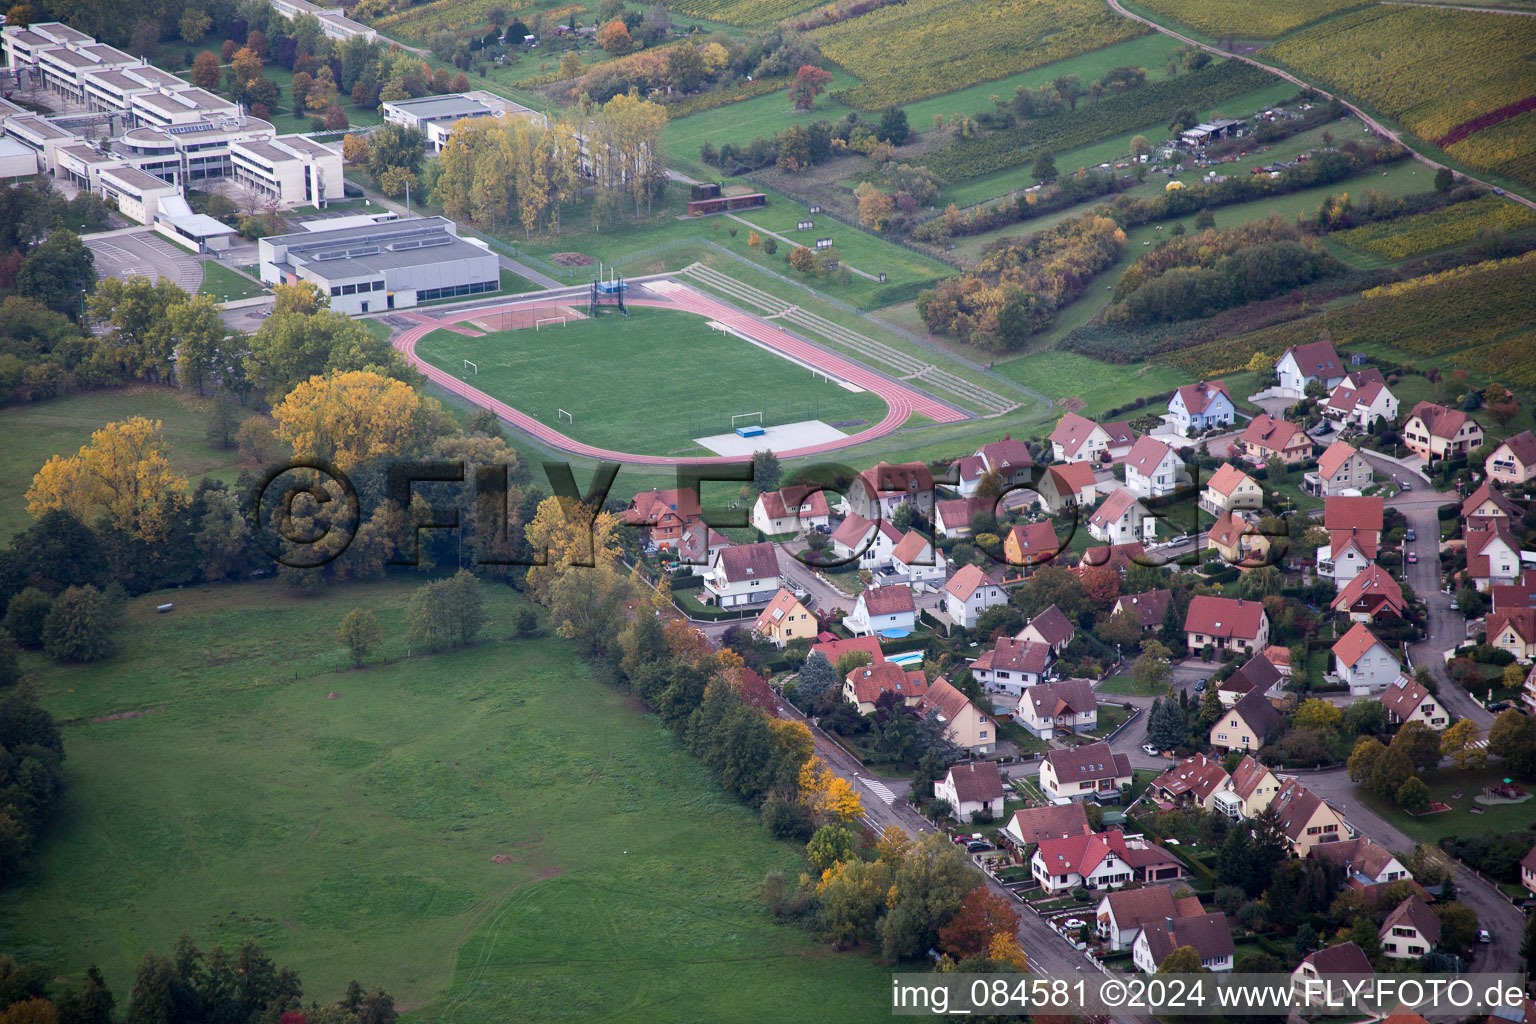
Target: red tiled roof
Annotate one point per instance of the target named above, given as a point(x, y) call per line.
point(1013, 655)
point(1438, 420)
point(1296, 804)
point(1224, 617)
point(891, 600)
point(1227, 479)
point(1079, 855)
point(1345, 958)
point(902, 478)
point(1272, 434)
point(972, 467)
point(792, 501)
point(1523, 447)
point(1316, 359)
point(1352, 513)
point(1069, 696)
point(1250, 772)
point(1485, 494)
point(949, 702)
point(1351, 647)
point(1372, 587)
point(1198, 397)
point(698, 540)
point(957, 512)
point(870, 681)
point(1529, 860)
point(1113, 507)
point(852, 531)
point(835, 649)
point(1521, 620)
point(1403, 697)
point(1414, 912)
point(1146, 454)
point(1036, 541)
point(1088, 763)
point(1073, 477)
point(749, 561)
point(781, 605)
point(1333, 457)
point(1361, 854)
point(1053, 821)
point(1053, 626)
point(1115, 556)
point(1349, 396)
point(1120, 433)
point(1148, 608)
point(1008, 454)
point(1210, 935)
point(650, 507)
point(1479, 563)
point(1071, 432)
point(977, 782)
point(967, 581)
point(913, 546)
point(1133, 908)
point(1230, 528)
point(1198, 775)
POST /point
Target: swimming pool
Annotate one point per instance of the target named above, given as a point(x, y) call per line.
point(906, 658)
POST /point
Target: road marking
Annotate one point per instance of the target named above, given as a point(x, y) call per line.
point(878, 788)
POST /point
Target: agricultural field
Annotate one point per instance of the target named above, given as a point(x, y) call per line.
point(1442, 229)
point(1247, 20)
point(1479, 313)
point(1507, 148)
point(673, 377)
point(929, 47)
point(1059, 375)
point(743, 12)
point(419, 21)
point(1430, 68)
point(355, 836)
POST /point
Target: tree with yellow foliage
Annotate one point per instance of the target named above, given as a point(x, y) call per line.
point(566, 534)
point(350, 418)
point(122, 477)
point(893, 844)
point(793, 738)
point(354, 148)
point(828, 796)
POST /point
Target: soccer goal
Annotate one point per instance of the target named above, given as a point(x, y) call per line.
point(548, 320)
point(746, 415)
point(470, 366)
point(561, 414)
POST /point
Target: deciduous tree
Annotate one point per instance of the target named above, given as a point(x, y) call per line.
point(810, 82)
point(981, 916)
point(350, 418)
point(81, 626)
point(359, 633)
point(122, 476)
point(205, 70)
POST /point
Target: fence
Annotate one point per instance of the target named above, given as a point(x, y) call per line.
point(566, 273)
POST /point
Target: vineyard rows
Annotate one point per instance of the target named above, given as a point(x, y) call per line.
point(743, 12)
point(1508, 148)
point(416, 23)
point(921, 48)
point(1476, 312)
point(1430, 68)
point(1426, 232)
point(1247, 19)
point(1115, 115)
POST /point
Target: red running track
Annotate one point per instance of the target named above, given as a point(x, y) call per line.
point(902, 401)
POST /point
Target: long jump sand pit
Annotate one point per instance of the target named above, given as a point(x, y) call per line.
point(784, 437)
point(527, 316)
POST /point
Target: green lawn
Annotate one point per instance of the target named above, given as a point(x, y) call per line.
point(226, 285)
point(1125, 686)
point(646, 384)
point(354, 836)
point(1103, 386)
point(61, 426)
point(1459, 820)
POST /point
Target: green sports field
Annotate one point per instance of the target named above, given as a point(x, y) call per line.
point(354, 835)
point(646, 384)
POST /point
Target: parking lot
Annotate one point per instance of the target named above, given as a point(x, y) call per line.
point(143, 253)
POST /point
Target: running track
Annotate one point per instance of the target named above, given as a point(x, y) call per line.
point(902, 400)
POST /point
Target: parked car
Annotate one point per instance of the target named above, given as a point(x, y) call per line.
point(1496, 706)
point(1200, 685)
point(1150, 750)
point(1405, 486)
point(1484, 936)
point(1412, 558)
point(1454, 606)
point(1408, 534)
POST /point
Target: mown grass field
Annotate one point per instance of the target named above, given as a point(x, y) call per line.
point(35, 432)
point(646, 384)
point(354, 836)
point(226, 285)
point(1059, 375)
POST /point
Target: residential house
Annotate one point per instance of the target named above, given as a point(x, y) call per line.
point(1410, 931)
point(1053, 821)
point(790, 510)
point(834, 649)
point(1118, 557)
point(965, 725)
point(1028, 545)
point(1493, 557)
point(1340, 469)
point(1009, 459)
point(1120, 915)
point(1090, 770)
point(1435, 432)
point(1361, 404)
point(1011, 666)
point(868, 683)
point(1210, 935)
point(786, 618)
point(1268, 438)
point(1197, 407)
point(1354, 537)
point(968, 593)
point(952, 518)
point(1228, 489)
point(1246, 725)
point(1372, 594)
point(1224, 623)
point(871, 543)
point(1121, 519)
point(1487, 507)
point(1514, 630)
point(1528, 871)
point(662, 516)
point(1306, 818)
point(1096, 861)
point(742, 575)
point(1364, 663)
point(1050, 627)
point(1078, 439)
point(1305, 364)
point(1121, 439)
point(1520, 594)
point(1252, 788)
point(1152, 468)
point(916, 563)
point(878, 610)
point(1067, 706)
point(1280, 657)
point(1317, 968)
point(699, 545)
point(1363, 860)
point(967, 474)
point(877, 493)
point(1408, 701)
point(1513, 462)
point(1148, 609)
point(976, 786)
point(1194, 781)
point(1259, 674)
point(1070, 485)
point(1237, 539)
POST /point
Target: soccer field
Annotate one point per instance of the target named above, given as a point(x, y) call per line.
point(646, 384)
